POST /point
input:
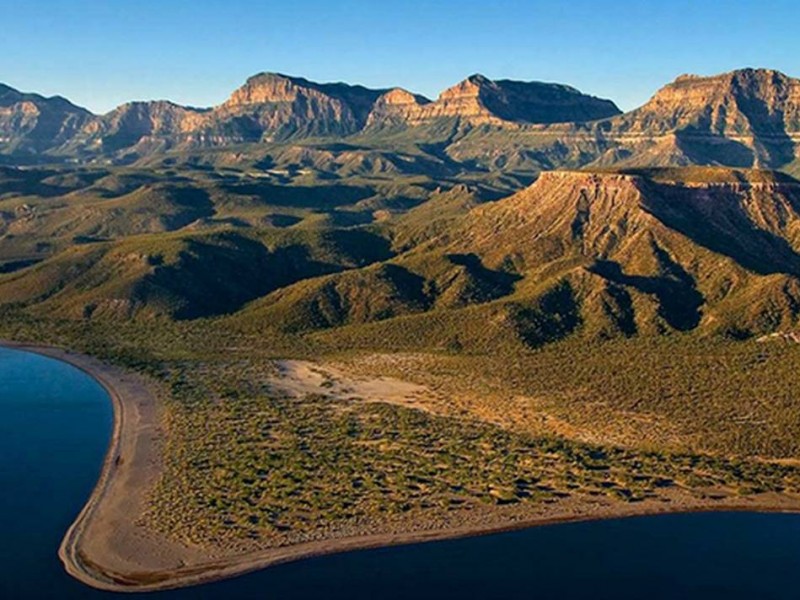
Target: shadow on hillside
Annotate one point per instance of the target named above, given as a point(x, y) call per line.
point(553, 316)
point(769, 127)
point(730, 232)
point(327, 196)
point(186, 203)
point(703, 148)
point(223, 274)
point(489, 284)
point(45, 183)
point(679, 301)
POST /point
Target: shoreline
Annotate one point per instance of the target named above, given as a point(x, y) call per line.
point(106, 549)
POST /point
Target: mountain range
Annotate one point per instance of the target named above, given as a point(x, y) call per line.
point(500, 214)
point(746, 118)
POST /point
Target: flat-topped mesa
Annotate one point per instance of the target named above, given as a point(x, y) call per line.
point(554, 190)
point(479, 100)
point(734, 180)
point(585, 216)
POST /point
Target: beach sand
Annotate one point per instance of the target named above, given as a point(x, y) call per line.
point(107, 547)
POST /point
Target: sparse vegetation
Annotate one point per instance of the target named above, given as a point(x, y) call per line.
point(583, 340)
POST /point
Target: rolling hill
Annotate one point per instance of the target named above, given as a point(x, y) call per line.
point(601, 254)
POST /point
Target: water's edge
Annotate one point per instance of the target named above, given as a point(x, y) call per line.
point(93, 575)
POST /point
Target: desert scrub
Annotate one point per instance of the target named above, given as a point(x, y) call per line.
point(243, 463)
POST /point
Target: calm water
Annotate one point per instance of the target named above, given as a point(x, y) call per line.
point(53, 432)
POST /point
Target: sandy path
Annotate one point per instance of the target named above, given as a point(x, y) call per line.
point(107, 548)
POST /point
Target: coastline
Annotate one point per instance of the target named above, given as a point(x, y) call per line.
point(107, 549)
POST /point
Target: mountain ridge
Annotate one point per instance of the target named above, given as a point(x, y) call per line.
point(271, 106)
point(740, 119)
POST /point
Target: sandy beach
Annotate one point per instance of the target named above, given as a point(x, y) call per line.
point(107, 547)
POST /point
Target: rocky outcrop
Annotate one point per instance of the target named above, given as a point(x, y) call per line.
point(746, 118)
point(397, 107)
point(271, 105)
point(478, 100)
point(30, 123)
point(142, 122)
point(742, 103)
point(482, 100)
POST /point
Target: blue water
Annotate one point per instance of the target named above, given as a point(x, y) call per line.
point(56, 423)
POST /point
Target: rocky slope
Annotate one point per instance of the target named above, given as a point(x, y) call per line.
point(271, 107)
point(742, 119)
point(31, 124)
point(748, 118)
point(603, 253)
point(478, 100)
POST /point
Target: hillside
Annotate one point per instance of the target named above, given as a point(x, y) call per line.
point(339, 357)
point(602, 254)
point(31, 124)
point(596, 254)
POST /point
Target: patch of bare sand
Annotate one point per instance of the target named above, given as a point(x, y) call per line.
point(454, 391)
point(299, 378)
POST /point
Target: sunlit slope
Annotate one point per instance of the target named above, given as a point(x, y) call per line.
point(604, 254)
point(600, 254)
point(182, 276)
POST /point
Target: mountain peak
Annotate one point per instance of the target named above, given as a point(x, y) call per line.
point(267, 87)
point(399, 96)
point(747, 73)
point(468, 88)
point(742, 102)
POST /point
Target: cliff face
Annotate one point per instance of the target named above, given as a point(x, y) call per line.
point(138, 123)
point(277, 103)
point(30, 123)
point(396, 107)
point(744, 103)
point(743, 119)
point(525, 102)
point(478, 100)
point(271, 105)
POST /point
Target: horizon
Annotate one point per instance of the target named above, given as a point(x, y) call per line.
point(356, 83)
point(197, 55)
point(259, 308)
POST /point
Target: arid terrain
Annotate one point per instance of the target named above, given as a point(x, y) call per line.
point(332, 317)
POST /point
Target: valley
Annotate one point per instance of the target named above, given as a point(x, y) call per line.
point(362, 317)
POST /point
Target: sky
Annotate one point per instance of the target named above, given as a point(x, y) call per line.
point(100, 54)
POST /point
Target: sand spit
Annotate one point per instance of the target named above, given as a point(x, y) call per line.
point(108, 548)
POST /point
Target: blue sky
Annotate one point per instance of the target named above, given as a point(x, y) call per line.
point(102, 53)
